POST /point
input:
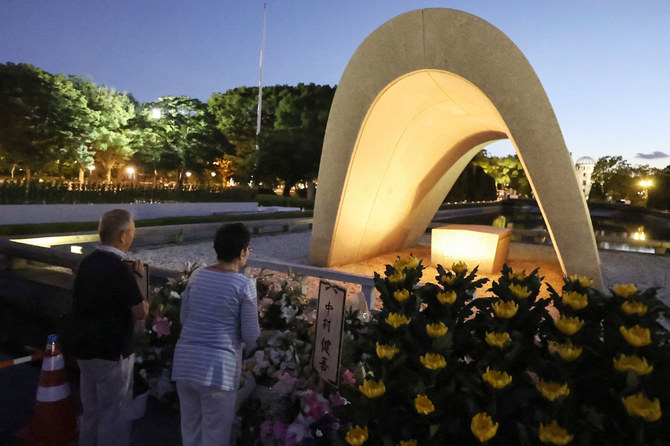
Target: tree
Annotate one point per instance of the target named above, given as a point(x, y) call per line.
point(473, 184)
point(74, 126)
point(659, 195)
point(291, 152)
point(27, 100)
point(614, 176)
point(111, 136)
point(184, 137)
point(507, 172)
point(235, 112)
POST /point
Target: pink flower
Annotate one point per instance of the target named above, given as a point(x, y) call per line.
point(285, 384)
point(315, 404)
point(337, 400)
point(266, 428)
point(161, 326)
point(349, 377)
point(279, 430)
point(297, 431)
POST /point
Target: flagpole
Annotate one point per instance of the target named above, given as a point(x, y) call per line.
point(260, 80)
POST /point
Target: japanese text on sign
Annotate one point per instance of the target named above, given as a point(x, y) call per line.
point(329, 324)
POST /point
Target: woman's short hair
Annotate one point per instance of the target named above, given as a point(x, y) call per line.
point(230, 240)
point(113, 223)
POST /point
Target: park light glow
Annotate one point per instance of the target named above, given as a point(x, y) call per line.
point(130, 170)
point(91, 168)
point(646, 183)
point(213, 174)
point(485, 246)
point(188, 174)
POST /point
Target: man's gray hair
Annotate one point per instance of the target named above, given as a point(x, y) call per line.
point(113, 223)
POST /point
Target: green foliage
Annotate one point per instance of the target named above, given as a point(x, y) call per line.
point(277, 200)
point(473, 184)
point(28, 111)
point(71, 193)
point(293, 123)
point(506, 171)
point(184, 137)
point(659, 194)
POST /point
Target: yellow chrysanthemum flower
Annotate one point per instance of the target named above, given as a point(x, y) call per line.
point(408, 443)
point(496, 339)
point(436, 330)
point(483, 427)
point(505, 310)
point(554, 434)
point(386, 351)
point(552, 390)
point(409, 263)
point(397, 277)
point(636, 336)
point(568, 325)
point(632, 363)
point(518, 276)
point(448, 279)
point(396, 320)
point(372, 388)
point(568, 352)
point(639, 406)
point(423, 405)
point(401, 295)
point(447, 297)
point(625, 290)
point(631, 307)
point(574, 299)
point(357, 435)
point(582, 280)
point(459, 267)
point(520, 292)
point(496, 378)
point(433, 361)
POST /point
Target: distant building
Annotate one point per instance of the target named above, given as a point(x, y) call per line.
point(584, 169)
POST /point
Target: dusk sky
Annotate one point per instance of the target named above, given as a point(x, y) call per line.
point(604, 64)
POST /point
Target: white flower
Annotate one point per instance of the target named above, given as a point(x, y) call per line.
point(175, 295)
point(299, 428)
point(275, 356)
point(288, 313)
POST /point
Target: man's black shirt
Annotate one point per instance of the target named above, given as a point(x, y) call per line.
point(105, 290)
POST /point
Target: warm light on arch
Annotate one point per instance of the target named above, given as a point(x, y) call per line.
point(417, 137)
point(419, 98)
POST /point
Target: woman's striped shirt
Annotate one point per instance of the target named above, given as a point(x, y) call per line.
point(219, 313)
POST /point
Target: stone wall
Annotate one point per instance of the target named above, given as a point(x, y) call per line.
point(56, 213)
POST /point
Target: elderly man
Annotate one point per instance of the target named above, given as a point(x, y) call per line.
point(106, 303)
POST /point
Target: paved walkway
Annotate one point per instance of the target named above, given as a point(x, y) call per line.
point(159, 426)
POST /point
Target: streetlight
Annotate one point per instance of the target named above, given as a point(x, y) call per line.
point(645, 184)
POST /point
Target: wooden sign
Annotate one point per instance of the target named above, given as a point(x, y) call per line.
point(329, 326)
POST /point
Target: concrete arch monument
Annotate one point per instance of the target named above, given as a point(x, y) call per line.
point(419, 98)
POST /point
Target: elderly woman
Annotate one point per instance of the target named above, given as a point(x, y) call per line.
point(219, 315)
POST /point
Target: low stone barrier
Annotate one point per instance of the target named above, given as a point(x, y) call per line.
point(59, 213)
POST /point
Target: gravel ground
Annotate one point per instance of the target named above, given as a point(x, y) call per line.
point(645, 270)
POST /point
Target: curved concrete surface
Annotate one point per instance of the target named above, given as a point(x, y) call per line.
point(419, 98)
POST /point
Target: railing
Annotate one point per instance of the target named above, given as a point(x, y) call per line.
point(367, 283)
point(13, 251)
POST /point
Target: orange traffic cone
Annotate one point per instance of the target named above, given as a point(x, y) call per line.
point(54, 421)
